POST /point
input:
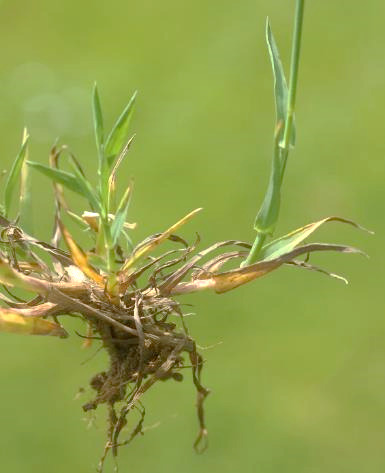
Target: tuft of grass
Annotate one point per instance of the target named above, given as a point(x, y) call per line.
point(128, 294)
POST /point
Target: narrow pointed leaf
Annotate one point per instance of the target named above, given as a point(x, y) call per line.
point(80, 258)
point(14, 175)
point(288, 242)
point(92, 220)
point(280, 84)
point(65, 178)
point(86, 187)
point(148, 247)
point(226, 281)
point(311, 267)
point(25, 203)
point(120, 216)
point(118, 135)
point(12, 322)
point(214, 265)
point(98, 123)
point(173, 280)
point(230, 280)
point(112, 178)
point(267, 216)
point(103, 171)
point(78, 220)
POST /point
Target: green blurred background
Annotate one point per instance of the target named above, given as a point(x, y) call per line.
point(297, 370)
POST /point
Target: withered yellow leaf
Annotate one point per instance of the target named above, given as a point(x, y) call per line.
point(80, 258)
point(149, 246)
point(12, 322)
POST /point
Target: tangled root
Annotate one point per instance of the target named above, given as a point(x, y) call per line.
point(143, 348)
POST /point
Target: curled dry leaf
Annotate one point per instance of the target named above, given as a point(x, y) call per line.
point(226, 281)
point(141, 324)
point(150, 245)
point(92, 220)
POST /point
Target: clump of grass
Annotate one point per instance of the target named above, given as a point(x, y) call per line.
point(127, 297)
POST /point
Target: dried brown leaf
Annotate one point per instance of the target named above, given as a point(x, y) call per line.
point(223, 282)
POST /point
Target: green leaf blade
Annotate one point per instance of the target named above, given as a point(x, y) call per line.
point(59, 176)
point(289, 242)
point(280, 84)
point(267, 215)
point(118, 135)
point(120, 216)
point(85, 186)
point(14, 175)
point(98, 123)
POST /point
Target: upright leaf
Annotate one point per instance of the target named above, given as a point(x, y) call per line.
point(98, 124)
point(267, 216)
point(280, 84)
point(118, 135)
point(112, 177)
point(120, 216)
point(25, 203)
point(14, 175)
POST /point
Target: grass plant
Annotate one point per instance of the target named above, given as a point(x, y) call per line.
point(128, 294)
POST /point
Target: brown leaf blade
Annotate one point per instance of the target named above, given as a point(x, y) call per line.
point(226, 281)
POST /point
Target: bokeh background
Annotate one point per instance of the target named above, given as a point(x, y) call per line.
point(296, 361)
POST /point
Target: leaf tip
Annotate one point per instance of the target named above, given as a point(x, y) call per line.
point(25, 135)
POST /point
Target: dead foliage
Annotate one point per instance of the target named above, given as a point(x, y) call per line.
point(140, 323)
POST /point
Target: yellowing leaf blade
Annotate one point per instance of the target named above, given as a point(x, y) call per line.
point(80, 258)
point(226, 281)
point(12, 322)
point(148, 247)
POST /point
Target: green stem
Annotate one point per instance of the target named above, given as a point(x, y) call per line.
point(255, 249)
point(294, 63)
point(282, 148)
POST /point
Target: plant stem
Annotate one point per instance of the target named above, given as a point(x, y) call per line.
point(282, 148)
point(255, 249)
point(294, 63)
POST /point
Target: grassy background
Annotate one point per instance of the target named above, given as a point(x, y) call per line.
point(298, 375)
